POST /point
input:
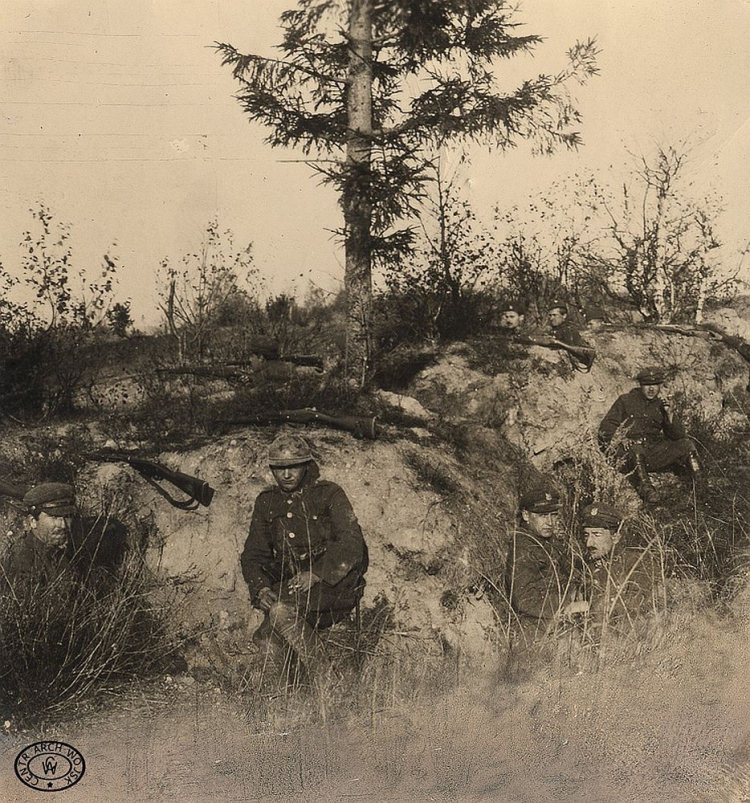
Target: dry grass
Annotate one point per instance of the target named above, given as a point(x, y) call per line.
point(64, 642)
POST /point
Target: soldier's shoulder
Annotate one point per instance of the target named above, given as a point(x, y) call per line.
point(266, 496)
point(327, 487)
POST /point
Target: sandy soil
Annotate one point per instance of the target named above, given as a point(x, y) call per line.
point(675, 728)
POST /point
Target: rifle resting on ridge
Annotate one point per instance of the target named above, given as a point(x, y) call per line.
point(360, 427)
point(198, 490)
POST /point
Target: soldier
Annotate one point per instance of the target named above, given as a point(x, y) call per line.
point(539, 576)
point(59, 545)
point(654, 436)
point(512, 315)
point(623, 582)
point(44, 553)
point(304, 559)
point(566, 336)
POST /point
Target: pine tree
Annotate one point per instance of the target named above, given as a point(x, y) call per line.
point(368, 89)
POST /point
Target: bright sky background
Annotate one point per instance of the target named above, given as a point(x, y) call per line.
point(119, 116)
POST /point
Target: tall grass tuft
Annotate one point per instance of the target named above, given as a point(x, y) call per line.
point(63, 642)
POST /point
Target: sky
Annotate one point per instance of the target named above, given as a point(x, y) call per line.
point(121, 119)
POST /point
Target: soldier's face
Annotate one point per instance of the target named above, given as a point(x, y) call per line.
point(289, 478)
point(556, 316)
point(545, 525)
point(51, 530)
point(599, 542)
point(510, 319)
point(650, 391)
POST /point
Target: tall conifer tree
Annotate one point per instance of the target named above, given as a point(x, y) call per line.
point(368, 88)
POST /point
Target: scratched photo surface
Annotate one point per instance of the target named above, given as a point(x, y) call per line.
point(170, 283)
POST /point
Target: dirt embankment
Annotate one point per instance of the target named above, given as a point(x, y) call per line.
point(535, 398)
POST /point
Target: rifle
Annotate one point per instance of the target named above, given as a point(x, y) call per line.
point(199, 491)
point(242, 371)
point(360, 427)
point(582, 354)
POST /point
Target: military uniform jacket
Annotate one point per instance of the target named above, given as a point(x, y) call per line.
point(538, 574)
point(644, 419)
point(566, 332)
point(29, 561)
point(625, 586)
point(313, 529)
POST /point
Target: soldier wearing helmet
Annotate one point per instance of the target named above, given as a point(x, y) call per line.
point(622, 581)
point(304, 559)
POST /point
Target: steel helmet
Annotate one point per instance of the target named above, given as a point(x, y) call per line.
point(289, 450)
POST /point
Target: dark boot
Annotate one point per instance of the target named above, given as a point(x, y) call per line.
point(642, 480)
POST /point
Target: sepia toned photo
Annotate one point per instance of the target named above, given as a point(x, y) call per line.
point(374, 394)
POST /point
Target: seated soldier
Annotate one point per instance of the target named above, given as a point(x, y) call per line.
point(304, 559)
point(623, 583)
point(566, 336)
point(654, 437)
point(539, 576)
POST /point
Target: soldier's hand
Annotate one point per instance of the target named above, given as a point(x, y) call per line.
point(303, 582)
point(578, 606)
point(265, 598)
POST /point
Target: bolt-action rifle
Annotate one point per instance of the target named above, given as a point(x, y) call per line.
point(240, 371)
point(198, 491)
point(360, 427)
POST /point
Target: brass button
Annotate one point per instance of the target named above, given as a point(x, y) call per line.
point(289, 501)
point(289, 514)
point(291, 535)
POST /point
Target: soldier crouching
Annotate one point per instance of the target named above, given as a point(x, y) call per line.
point(304, 561)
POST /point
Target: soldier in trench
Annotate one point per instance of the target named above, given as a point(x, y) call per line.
point(540, 578)
point(623, 582)
point(654, 437)
point(59, 548)
point(304, 562)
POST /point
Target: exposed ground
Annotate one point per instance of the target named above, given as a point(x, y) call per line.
point(676, 727)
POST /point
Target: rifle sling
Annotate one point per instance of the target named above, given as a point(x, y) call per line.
point(187, 504)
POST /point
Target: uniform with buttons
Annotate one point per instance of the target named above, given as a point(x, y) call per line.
point(662, 442)
point(312, 529)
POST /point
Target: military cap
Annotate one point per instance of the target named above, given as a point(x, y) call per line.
point(52, 498)
point(289, 450)
point(545, 500)
point(599, 515)
point(651, 376)
point(512, 306)
point(558, 303)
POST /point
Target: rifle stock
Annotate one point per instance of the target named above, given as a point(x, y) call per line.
point(198, 490)
point(360, 427)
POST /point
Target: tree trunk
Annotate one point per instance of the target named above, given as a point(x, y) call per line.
point(356, 193)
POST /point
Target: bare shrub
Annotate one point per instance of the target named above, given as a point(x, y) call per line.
point(64, 642)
